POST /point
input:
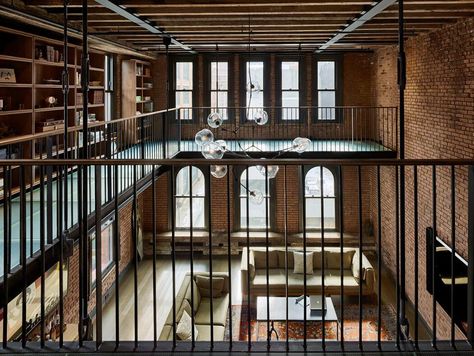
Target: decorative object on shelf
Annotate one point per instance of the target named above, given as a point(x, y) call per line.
point(98, 97)
point(51, 101)
point(49, 54)
point(95, 83)
point(138, 98)
point(52, 81)
point(148, 85)
point(50, 125)
point(5, 103)
point(7, 75)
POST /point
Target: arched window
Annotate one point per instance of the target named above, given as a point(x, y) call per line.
point(256, 185)
point(314, 191)
point(187, 191)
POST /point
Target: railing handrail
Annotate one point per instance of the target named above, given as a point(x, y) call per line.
point(72, 129)
point(240, 161)
point(292, 107)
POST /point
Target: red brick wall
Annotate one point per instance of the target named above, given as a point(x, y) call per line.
point(439, 113)
point(71, 299)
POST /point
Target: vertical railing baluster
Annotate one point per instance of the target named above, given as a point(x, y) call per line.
point(415, 229)
point(341, 222)
point(305, 343)
point(285, 201)
point(267, 262)
point(98, 255)
point(6, 248)
point(43, 258)
point(379, 260)
point(23, 254)
point(229, 261)
point(135, 251)
point(117, 255)
point(173, 251)
point(359, 193)
point(397, 253)
point(323, 260)
point(433, 257)
point(453, 250)
point(209, 217)
point(191, 253)
point(247, 207)
point(153, 234)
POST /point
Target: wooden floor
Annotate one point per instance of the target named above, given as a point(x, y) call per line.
point(164, 295)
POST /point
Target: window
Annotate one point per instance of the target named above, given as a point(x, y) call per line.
point(326, 93)
point(184, 85)
point(107, 255)
point(187, 193)
point(257, 216)
point(290, 95)
point(220, 87)
point(313, 195)
point(254, 95)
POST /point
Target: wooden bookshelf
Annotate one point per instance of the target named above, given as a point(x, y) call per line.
point(137, 88)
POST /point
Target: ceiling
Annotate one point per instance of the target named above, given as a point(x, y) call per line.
point(274, 25)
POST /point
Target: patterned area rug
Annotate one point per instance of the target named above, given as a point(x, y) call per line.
point(314, 329)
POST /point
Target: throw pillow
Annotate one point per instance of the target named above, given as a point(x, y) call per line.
point(197, 295)
point(184, 329)
point(204, 285)
point(358, 274)
point(299, 262)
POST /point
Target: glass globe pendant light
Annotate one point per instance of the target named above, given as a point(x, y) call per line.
point(256, 196)
point(218, 171)
point(204, 136)
point(214, 120)
point(212, 150)
point(271, 170)
point(300, 144)
point(222, 143)
point(260, 117)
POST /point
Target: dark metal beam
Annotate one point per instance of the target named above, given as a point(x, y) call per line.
point(124, 12)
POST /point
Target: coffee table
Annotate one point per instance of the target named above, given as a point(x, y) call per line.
point(295, 312)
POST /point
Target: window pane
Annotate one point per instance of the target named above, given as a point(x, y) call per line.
point(326, 75)
point(257, 211)
point(106, 250)
point(257, 100)
point(313, 182)
point(313, 213)
point(182, 182)
point(256, 73)
point(290, 105)
point(289, 75)
point(183, 212)
point(327, 101)
point(184, 75)
point(220, 70)
point(222, 103)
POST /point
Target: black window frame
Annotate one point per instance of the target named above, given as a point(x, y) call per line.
point(238, 170)
point(243, 82)
point(302, 87)
point(336, 172)
point(109, 221)
point(172, 89)
point(339, 86)
point(230, 84)
point(205, 172)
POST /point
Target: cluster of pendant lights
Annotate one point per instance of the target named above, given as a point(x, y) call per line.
point(215, 149)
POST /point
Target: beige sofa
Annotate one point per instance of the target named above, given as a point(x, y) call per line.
point(202, 307)
point(332, 276)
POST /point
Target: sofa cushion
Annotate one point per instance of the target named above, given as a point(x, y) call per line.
point(276, 277)
point(205, 332)
point(333, 259)
point(297, 280)
point(220, 308)
point(332, 278)
point(317, 260)
point(204, 285)
point(299, 261)
point(281, 259)
point(197, 296)
point(358, 274)
point(260, 258)
point(185, 327)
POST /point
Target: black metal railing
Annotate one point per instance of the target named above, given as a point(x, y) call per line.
point(337, 129)
point(144, 136)
point(365, 309)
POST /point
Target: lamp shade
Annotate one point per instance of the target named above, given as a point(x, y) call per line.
point(204, 136)
point(212, 150)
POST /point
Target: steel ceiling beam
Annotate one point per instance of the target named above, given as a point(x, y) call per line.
point(146, 24)
point(356, 23)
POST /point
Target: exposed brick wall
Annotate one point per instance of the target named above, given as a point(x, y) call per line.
point(71, 299)
point(439, 114)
